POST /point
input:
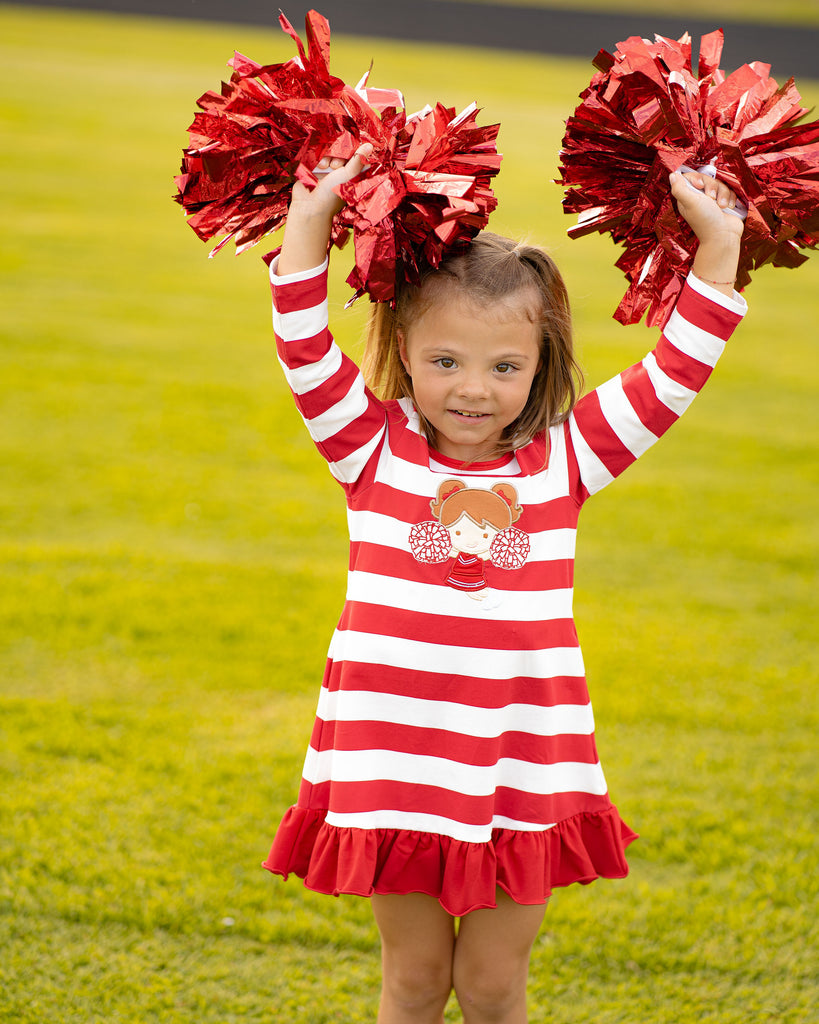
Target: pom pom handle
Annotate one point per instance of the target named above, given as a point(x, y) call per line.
point(740, 210)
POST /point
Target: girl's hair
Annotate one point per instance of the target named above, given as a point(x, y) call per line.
point(497, 508)
point(493, 270)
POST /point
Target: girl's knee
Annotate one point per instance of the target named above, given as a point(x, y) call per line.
point(491, 995)
point(420, 986)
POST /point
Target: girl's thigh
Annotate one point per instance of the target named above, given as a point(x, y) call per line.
point(417, 937)
point(493, 947)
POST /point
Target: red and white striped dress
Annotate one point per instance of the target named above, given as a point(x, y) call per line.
point(453, 749)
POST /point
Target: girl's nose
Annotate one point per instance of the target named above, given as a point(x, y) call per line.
point(472, 385)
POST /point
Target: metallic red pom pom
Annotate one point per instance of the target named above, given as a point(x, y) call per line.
point(645, 114)
point(426, 192)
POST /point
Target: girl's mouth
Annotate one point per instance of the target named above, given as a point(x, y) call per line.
point(468, 415)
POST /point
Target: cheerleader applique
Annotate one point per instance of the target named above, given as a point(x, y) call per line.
point(473, 526)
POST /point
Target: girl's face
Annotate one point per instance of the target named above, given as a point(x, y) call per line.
point(471, 371)
point(471, 537)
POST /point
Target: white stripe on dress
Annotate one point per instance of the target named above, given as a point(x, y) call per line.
point(412, 821)
point(692, 340)
point(467, 779)
point(432, 599)
point(446, 658)
point(303, 379)
point(301, 323)
point(620, 415)
point(675, 396)
point(464, 719)
point(593, 473)
point(376, 528)
point(347, 410)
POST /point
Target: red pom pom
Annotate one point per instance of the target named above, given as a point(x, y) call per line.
point(426, 192)
point(644, 115)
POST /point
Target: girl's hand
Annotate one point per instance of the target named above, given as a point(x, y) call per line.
point(311, 212)
point(706, 206)
point(719, 232)
point(322, 201)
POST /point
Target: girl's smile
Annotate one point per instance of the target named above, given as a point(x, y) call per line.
point(471, 371)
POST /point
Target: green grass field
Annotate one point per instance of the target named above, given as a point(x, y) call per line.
point(173, 557)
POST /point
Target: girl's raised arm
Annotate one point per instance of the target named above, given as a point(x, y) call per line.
point(310, 217)
point(613, 425)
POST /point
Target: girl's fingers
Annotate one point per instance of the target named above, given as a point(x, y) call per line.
point(724, 196)
point(356, 163)
point(727, 197)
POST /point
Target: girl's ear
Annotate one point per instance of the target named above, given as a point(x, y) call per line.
point(402, 351)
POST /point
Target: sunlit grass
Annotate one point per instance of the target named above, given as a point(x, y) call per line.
point(173, 560)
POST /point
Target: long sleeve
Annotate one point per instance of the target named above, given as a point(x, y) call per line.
point(613, 425)
point(345, 420)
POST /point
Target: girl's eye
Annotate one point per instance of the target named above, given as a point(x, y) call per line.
point(446, 362)
point(504, 367)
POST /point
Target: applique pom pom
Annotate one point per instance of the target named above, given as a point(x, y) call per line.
point(509, 549)
point(430, 542)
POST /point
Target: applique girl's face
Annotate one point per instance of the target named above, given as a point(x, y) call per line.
point(470, 537)
point(471, 372)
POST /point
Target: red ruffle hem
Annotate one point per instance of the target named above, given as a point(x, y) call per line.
point(461, 876)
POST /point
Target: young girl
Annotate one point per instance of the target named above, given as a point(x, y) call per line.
point(452, 771)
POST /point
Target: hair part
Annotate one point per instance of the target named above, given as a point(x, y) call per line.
point(515, 278)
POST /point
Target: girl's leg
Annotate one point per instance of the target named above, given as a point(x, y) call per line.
point(417, 940)
point(491, 963)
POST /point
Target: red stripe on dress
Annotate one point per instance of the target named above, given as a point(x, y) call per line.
point(708, 315)
point(404, 507)
point(448, 631)
point(352, 437)
point(406, 444)
point(492, 694)
point(379, 794)
point(330, 392)
point(684, 369)
point(600, 436)
point(551, 574)
point(305, 351)
point(639, 390)
point(455, 746)
point(412, 798)
point(522, 806)
point(296, 296)
point(559, 513)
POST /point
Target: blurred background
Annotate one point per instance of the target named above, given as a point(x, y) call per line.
point(173, 551)
point(787, 33)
